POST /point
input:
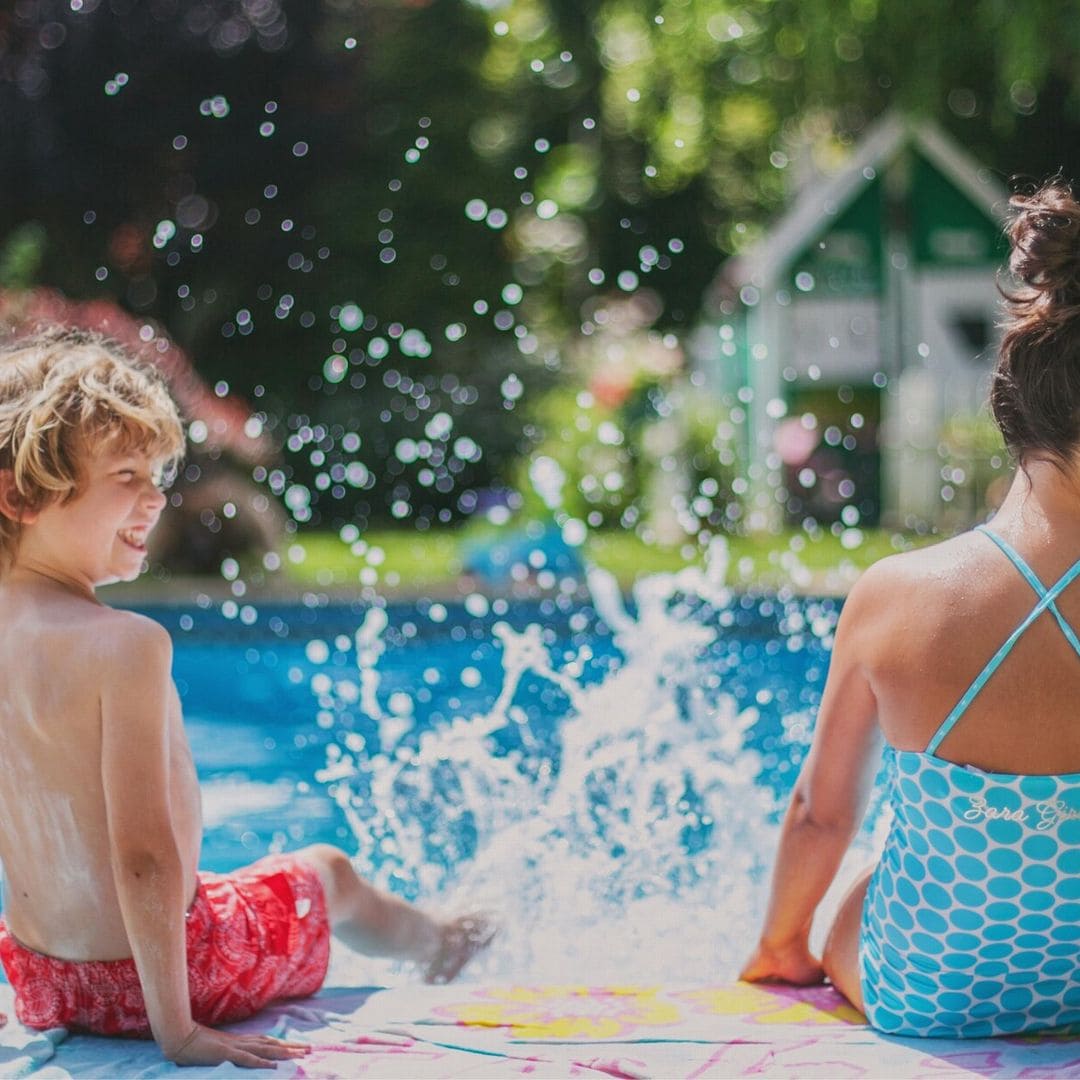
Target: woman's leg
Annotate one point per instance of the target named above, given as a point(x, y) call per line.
point(379, 924)
point(841, 955)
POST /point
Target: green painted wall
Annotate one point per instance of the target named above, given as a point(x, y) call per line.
point(947, 228)
point(845, 259)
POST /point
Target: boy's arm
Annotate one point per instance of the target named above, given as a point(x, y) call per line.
point(136, 685)
point(826, 807)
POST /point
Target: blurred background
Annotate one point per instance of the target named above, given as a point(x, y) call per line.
point(454, 289)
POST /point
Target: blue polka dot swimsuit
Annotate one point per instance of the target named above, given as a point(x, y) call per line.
point(971, 925)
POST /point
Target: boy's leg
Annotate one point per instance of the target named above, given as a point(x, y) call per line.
point(366, 918)
point(376, 923)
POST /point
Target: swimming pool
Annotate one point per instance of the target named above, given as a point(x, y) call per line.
point(610, 779)
point(252, 714)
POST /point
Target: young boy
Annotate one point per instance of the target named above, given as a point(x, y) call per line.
point(108, 925)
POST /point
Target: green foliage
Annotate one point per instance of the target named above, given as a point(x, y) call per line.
point(975, 467)
point(598, 451)
point(21, 254)
point(612, 456)
point(706, 108)
point(627, 145)
point(712, 453)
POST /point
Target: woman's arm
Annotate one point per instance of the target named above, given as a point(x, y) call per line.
point(827, 804)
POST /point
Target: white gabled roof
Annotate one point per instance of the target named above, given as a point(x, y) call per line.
point(765, 262)
point(976, 181)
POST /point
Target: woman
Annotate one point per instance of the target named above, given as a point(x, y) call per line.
point(963, 658)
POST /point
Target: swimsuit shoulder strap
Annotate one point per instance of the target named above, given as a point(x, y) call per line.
point(1046, 602)
point(1030, 577)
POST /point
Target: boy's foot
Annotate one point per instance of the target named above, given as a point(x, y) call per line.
point(462, 938)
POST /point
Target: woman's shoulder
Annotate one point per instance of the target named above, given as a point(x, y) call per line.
point(938, 569)
point(911, 602)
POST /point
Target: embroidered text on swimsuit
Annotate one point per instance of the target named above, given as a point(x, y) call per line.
point(981, 809)
point(1048, 814)
point(1054, 813)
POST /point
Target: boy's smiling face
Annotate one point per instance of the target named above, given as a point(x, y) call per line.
point(100, 535)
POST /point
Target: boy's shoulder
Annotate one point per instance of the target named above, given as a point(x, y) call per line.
point(115, 641)
point(132, 658)
point(80, 627)
point(129, 629)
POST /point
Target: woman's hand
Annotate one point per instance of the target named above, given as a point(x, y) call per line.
point(209, 1047)
point(793, 964)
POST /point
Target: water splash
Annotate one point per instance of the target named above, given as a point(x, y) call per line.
point(636, 845)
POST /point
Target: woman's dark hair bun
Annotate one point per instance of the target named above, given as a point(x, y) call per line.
point(1045, 234)
point(1035, 390)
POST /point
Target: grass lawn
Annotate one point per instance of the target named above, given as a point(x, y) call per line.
point(413, 562)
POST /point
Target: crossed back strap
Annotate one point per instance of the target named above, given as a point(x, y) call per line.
point(1046, 602)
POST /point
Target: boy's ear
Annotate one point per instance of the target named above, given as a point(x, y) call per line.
point(12, 504)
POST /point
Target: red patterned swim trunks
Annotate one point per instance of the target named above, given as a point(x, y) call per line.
point(254, 936)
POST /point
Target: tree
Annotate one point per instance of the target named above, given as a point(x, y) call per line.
point(374, 217)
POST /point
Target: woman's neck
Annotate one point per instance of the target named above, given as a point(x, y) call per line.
point(1044, 498)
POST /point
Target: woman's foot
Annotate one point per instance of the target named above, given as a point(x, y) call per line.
point(461, 939)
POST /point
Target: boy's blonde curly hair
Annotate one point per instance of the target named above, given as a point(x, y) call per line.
point(65, 393)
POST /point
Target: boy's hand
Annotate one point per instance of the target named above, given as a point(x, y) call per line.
point(794, 964)
point(210, 1047)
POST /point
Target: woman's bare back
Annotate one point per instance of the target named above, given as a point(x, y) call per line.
point(936, 616)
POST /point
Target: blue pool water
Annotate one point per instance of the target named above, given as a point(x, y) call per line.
point(251, 713)
point(608, 777)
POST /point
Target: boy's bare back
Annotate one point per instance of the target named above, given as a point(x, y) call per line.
point(61, 658)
